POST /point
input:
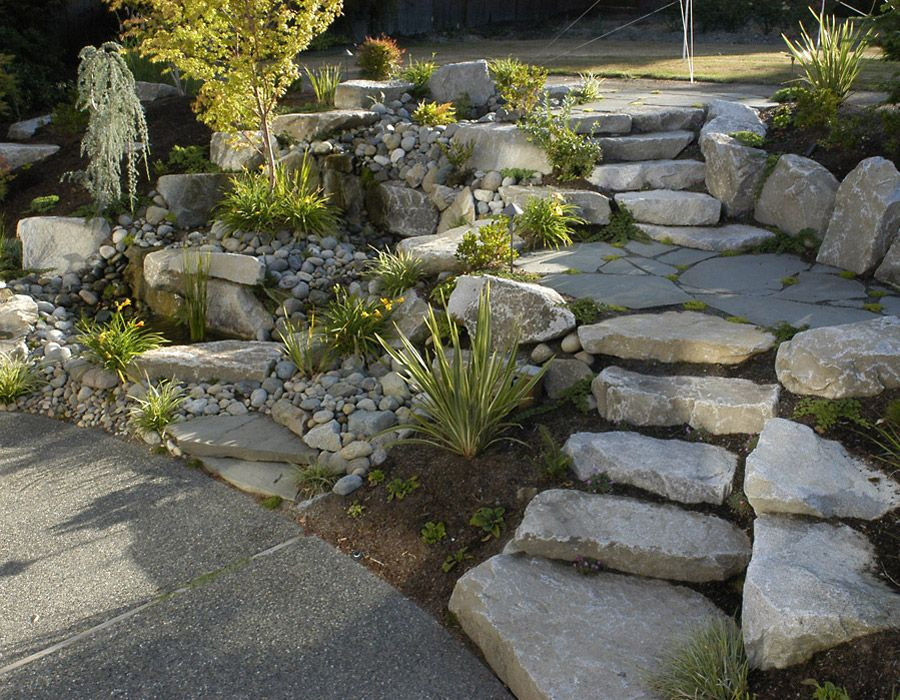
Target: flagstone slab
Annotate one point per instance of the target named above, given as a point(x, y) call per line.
point(630, 291)
point(746, 274)
point(583, 257)
point(671, 207)
point(812, 288)
point(259, 478)
point(251, 437)
point(223, 360)
point(771, 311)
point(730, 237)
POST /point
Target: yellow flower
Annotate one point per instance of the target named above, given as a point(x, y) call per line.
point(123, 304)
point(139, 324)
point(377, 313)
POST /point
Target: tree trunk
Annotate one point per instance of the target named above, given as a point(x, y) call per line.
point(268, 150)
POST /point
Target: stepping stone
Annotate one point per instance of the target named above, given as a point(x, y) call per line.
point(816, 287)
point(686, 256)
point(675, 336)
point(756, 275)
point(632, 536)
point(260, 478)
point(662, 145)
point(550, 632)
point(858, 359)
point(630, 291)
point(652, 119)
point(653, 174)
point(809, 588)
point(770, 311)
point(583, 257)
point(795, 472)
point(731, 237)
point(254, 437)
point(223, 361)
point(671, 208)
point(688, 472)
point(715, 404)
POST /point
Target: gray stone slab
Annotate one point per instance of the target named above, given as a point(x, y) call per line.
point(302, 622)
point(621, 267)
point(731, 237)
point(584, 257)
point(648, 249)
point(663, 145)
point(258, 478)
point(655, 174)
point(686, 256)
point(222, 360)
point(671, 207)
point(92, 526)
point(654, 267)
point(748, 274)
point(769, 311)
point(814, 287)
point(254, 437)
point(631, 291)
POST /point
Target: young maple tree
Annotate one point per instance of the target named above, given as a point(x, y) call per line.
point(243, 52)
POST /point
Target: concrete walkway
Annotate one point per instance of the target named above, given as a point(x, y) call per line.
point(129, 575)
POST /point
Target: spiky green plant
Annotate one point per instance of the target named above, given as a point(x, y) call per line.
point(115, 124)
point(351, 324)
point(547, 222)
point(324, 81)
point(397, 271)
point(304, 346)
point(464, 401)
point(157, 408)
point(588, 89)
point(195, 272)
point(17, 378)
point(315, 479)
point(418, 73)
point(830, 64)
point(435, 114)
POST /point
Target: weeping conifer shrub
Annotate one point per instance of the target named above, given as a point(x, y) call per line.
point(115, 123)
point(465, 397)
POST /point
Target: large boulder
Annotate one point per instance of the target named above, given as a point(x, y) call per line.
point(809, 587)
point(733, 172)
point(499, 146)
point(165, 268)
point(724, 117)
point(60, 244)
point(631, 535)
point(866, 217)
point(593, 207)
point(191, 197)
point(889, 270)
point(18, 314)
point(362, 94)
point(228, 361)
point(795, 472)
point(855, 359)
point(150, 92)
point(460, 212)
point(236, 151)
point(317, 125)
point(549, 632)
point(402, 210)
point(529, 313)
point(454, 80)
point(17, 155)
point(798, 196)
point(437, 253)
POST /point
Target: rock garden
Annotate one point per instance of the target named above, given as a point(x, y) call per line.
point(613, 393)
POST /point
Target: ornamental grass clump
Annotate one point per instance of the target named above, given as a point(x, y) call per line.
point(547, 222)
point(304, 347)
point(324, 82)
point(114, 344)
point(352, 324)
point(116, 128)
point(418, 73)
point(464, 398)
point(397, 272)
point(195, 272)
point(17, 378)
point(157, 408)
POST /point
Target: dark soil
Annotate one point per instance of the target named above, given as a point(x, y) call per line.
point(170, 122)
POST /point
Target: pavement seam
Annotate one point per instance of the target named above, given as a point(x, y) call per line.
point(194, 583)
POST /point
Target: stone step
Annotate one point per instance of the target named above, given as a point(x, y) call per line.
point(730, 237)
point(650, 119)
point(688, 472)
point(259, 478)
point(593, 207)
point(809, 587)
point(632, 536)
point(592, 124)
point(715, 404)
point(671, 207)
point(793, 471)
point(253, 437)
point(661, 145)
point(649, 174)
point(549, 632)
point(222, 361)
point(675, 336)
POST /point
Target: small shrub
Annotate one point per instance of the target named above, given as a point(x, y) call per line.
point(434, 114)
point(44, 204)
point(488, 520)
point(352, 324)
point(185, 159)
point(114, 344)
point(157, 408)
point(827, 413)
point(195, 272)
point(585, 310)
point(17, 378)
point(518, 84)
point(455, 559)
point(588, 89)
point(324, 82)
point(829, 691)
point(571, 154)
point(397, 271)
point(787, 94)
point(886, 25)
point(488, 248)
point(315, 479)
point(292, 203)
point(547, 222)
point(398, 489)
point(433, 533)
point(710, 664)
point(67, 118)
point(304, 347)
point(9, 85)
point(464, 401)
point(622, 228)
point(550, 459)
point(418, 73)
point(379, 58)
point(816, 109)
point(748, 138)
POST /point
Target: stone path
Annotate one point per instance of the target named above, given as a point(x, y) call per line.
point(126, 574)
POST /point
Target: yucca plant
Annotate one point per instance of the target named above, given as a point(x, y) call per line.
point(195, 273)
point(324, 82)
point(397, 271)
point(711, 664)
point(434, 114)
point(157, 408)
point(464, 401)
point(304, 346)
point(17, 378)
point(832, 63)
point(547, 222)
